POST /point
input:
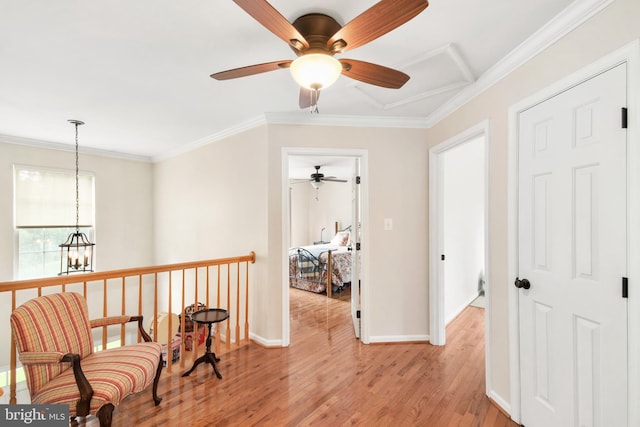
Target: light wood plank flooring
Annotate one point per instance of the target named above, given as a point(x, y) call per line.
point(327, 377)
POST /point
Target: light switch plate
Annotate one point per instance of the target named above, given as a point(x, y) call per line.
point(388, 224)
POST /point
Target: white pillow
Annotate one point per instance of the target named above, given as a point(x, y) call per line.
point(341, 238)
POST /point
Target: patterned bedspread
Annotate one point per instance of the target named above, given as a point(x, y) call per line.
point(316, 281)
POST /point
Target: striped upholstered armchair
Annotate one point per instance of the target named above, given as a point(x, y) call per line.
point(55, 346)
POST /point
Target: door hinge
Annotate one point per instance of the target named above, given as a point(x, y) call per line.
point(357, 246)
point(624, 117)
point(357, 314)
point(442, 257)
point(625, 287)
point(357, 180)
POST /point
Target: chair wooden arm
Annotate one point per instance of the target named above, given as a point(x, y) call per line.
point(145, 336)
point(85, 389)
point(118, 320)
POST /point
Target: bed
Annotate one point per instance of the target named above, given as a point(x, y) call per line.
point(309, 265)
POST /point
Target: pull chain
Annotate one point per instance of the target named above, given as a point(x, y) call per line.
point(313, 98)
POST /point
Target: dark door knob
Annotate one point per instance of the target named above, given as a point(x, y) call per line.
point(522, 284)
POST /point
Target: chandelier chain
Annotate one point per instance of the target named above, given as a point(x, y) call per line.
point(77, 185)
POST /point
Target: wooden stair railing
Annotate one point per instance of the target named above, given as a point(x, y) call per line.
point(153, 290)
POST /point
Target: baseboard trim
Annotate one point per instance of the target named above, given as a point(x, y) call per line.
point(500, 403)
point(404, 339)
point(265, 342)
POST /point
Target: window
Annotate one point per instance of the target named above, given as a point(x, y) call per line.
point(45, 215)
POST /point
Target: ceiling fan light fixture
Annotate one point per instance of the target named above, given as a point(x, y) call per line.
point(317, 184)
point(315, 70)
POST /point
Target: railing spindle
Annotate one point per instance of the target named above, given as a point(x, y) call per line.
point(238, 302)
point(246, 300)
point(104, 312)
point(139, 303)
point(227, 337)
point(123, 311)
point(13, 362)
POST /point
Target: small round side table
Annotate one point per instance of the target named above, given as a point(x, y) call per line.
point(208, 317)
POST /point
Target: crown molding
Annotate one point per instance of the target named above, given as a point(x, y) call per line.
point(338, 120)
point(297, 119)
point(50, 145)
point(567, 20)
point(226, 133)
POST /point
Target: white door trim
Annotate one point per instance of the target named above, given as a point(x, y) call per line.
point(286, 228)
point(629, 54)
point(436, 238)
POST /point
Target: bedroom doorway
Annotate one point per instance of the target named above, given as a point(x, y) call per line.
point(322, 215)
point(458, 231)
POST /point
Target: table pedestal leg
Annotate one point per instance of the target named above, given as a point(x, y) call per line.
point(207, 357)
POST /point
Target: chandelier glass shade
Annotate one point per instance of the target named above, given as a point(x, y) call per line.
point(315, 71)
point(76, 253)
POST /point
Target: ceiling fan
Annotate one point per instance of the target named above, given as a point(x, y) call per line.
point(317, 179)
point(315, 38)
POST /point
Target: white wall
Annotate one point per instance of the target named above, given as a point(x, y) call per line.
point(333, 204)
point(213, 203)
point(463, 206)
point(312, 210)
point(299, 207)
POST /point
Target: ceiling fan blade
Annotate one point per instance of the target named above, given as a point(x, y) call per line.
point(333, 179)
point(376, 21)
point(251, 70)
point(373, 74)
point(308, 98)
point(273, 21)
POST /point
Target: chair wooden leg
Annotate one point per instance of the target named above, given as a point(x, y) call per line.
point(105, 415)
point(157, 399)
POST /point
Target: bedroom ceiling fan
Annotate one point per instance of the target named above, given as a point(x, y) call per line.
point(315, 38)
point(317, 179)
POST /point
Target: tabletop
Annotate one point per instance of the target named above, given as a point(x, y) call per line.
point(210, 315)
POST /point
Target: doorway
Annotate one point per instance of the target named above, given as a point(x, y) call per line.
point(350, 215)
point(464, 226)
point(449, 253)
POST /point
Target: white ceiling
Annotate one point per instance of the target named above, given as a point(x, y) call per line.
point(137, 71)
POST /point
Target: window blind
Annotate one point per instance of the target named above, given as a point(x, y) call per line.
point(45, 197)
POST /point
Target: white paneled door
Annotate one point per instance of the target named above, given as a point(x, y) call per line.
point(572, 256)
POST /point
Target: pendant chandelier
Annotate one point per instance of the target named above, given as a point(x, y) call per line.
point(76, 253)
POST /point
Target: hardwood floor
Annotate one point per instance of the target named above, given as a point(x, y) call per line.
point(327, 377)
